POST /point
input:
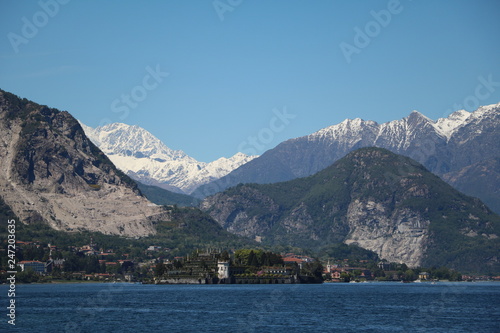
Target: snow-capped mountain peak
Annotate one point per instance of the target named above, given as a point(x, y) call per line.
point(146, 158)
point(123, 139)
point(401, 129)
point(487, 111)
point(447, 126)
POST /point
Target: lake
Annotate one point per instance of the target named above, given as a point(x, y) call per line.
point(354, 307)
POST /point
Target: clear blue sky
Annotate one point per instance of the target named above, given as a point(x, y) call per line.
point(230, 63)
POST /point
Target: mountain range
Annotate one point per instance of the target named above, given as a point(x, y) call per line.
point(372, 198)
point(53, 174)
point(145, 158)
point(54, 181)
point(462, 149)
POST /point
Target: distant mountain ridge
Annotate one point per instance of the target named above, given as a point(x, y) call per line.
point(145, 158)
point(447, 145)
point(373, 198)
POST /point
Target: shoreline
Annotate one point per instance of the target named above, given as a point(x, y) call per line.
point(323, 283)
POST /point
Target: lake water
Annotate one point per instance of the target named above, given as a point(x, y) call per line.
point(361, 307)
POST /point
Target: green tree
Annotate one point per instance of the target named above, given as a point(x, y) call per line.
point(356, 272)
point(144, 271)
point(91, 265)
point(344, 276)
point(224, 256)
point(177, 264)
point(72, 263)
point(27, 276)
point(275, 259)
point(409, 275)
point(242, 256)
point(265, 259)
point(314, 269)
point(56, 272)
point(253, 260)
point(128, 267)
point(160, 269)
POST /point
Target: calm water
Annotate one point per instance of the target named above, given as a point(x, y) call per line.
point(362, 307)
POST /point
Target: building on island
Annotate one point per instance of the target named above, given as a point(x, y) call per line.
point(36, 266)
point(213, 267)
point(280, 270)
point(223, 269)
point(384, 265)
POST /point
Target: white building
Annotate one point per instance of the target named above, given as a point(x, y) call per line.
point(223, 269)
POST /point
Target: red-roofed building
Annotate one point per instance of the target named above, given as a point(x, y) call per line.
point(124, 261)
point(23, 243)
point(103, 275)
point(292, 260)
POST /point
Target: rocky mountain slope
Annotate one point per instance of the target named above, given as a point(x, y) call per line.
point(446, 146)
point(162, 197)
point(480, 180)
point(145, 158)
point(374, 198)
point(51, 172)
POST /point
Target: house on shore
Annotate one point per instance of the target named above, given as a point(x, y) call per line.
point(36, 266)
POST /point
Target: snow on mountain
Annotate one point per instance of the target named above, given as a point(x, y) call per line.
point(398, 133)
point(126, 140)
point(445, 145)
point(145, 158)
point(447, 126)
point(401, 131)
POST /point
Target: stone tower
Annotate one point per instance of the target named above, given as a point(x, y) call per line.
point(223, 269)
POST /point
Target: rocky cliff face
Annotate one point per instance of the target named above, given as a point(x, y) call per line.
point(233, 211)
point(443, 146)
point(380, 201)
point(51, 172)
point(399, 235)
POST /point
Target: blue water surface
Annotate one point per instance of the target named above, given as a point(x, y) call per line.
point(361, 307)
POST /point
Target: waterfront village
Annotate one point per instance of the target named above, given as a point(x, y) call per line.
point(37, 262)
